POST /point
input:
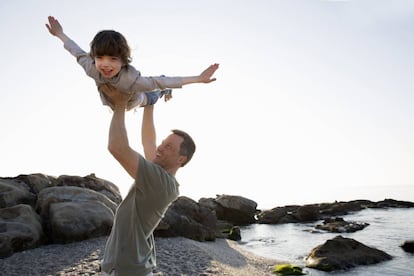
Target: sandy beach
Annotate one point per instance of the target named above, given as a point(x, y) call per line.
point(175, 256)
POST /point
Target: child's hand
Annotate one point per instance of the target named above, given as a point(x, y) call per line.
point(54, 26)
point(206, 75)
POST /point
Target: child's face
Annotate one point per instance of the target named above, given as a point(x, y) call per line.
point(108, 66)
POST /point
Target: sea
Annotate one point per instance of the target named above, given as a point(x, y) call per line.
point(291, 243)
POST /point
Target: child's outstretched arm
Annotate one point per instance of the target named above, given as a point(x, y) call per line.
point(56, 29)
point(205, 77)
point(83, 58)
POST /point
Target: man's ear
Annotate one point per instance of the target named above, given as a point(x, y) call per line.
point(182, 159)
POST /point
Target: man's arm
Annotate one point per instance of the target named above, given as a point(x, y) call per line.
point(148, 134)
point(118, 144)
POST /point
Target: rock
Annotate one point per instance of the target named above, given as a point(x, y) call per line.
point(75, 194)
point(343, 253)
point(343, 208)
point(278, 215)
point(339, 225)
point(306, 213)
point(392, 203)
point(289, 214)
point(77, 221)
point(209, 203)
point(408, 246)
point(37, 181)
point(93, 183)
point(223, 228)
point(186, 218)
point(72, 213)
point(234, 234)
point(20, 229)
point(14, 191)
point(236, 209)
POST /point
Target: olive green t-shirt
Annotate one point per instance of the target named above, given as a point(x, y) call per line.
point(130, 247)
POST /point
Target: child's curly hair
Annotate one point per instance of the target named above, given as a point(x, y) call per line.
point(110, 43)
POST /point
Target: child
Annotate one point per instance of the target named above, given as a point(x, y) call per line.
point(108, 63)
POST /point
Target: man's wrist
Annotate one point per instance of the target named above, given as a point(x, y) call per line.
point(120, 107)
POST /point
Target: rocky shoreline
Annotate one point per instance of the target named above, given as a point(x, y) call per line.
point(54, 214)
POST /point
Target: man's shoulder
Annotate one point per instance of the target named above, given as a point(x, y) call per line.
point(153, 175)
point(151, 167)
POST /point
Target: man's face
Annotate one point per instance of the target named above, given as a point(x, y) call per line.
point(108, 66)
point(168, 153)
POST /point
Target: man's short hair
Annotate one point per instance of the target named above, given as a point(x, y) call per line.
point(187, 147)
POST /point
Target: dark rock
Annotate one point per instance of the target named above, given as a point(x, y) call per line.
point(77, 221)
point(344, 208)
point(392, 203)
point(339, 225)
point(209, 203)
point(186, 218)
point(72, 213)
point(236, 209)
point(20, 229)
point(307, 213)
point(93, 183)
point(37, 181)
point(14, 191)
point(234, 234)
point(343, 253)
point(278, 215)
point(408, 246)
point(223, 228)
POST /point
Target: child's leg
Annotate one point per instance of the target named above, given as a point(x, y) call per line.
point(153, 96)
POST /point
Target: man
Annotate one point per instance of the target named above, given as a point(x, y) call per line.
point(130, 247)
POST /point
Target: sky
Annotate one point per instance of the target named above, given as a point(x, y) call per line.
point(313, 99)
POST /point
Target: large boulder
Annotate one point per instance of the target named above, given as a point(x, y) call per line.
point(343, 253)
point(73, 213)
point(93, 183)
point(14, 191)
point(20, 229)
point(77, 221)
point(186, 218)
point(235, 209)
